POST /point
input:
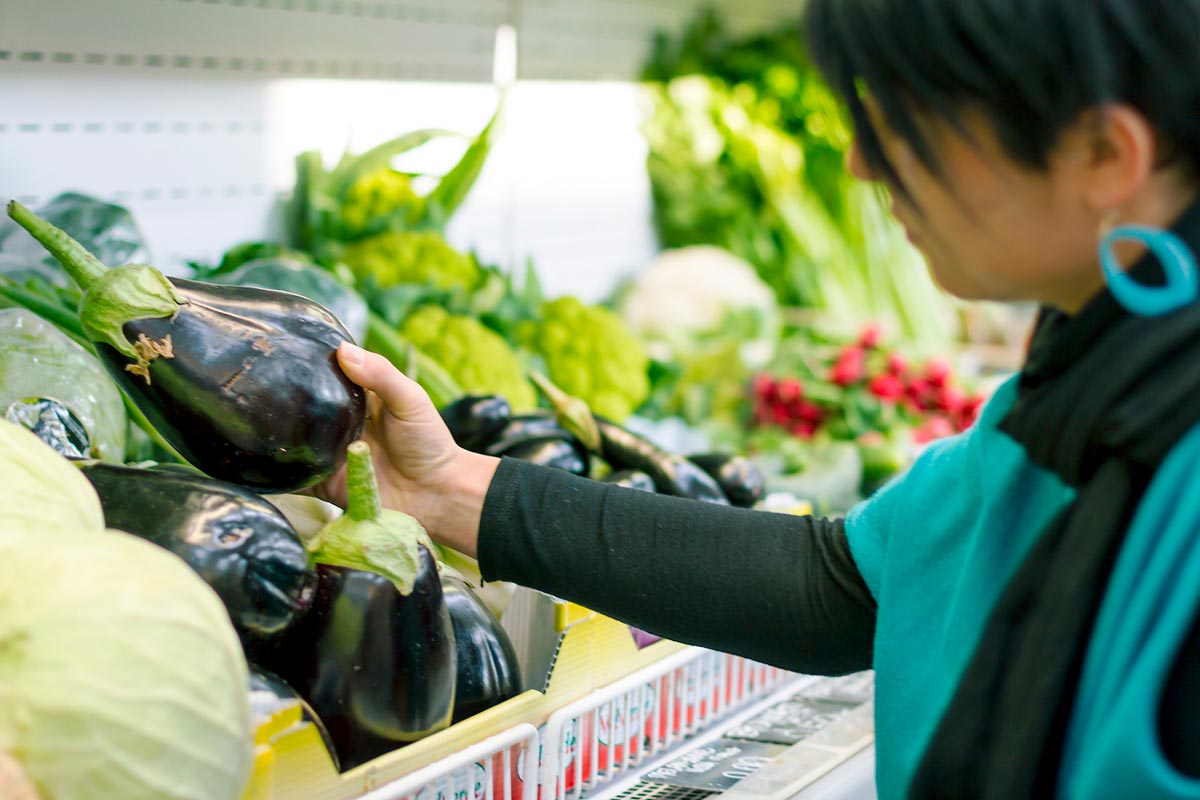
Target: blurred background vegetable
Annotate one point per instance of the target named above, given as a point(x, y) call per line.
point(747, 146)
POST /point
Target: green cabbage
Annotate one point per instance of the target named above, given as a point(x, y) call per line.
point(40, 491)
point(121, 677)
point(38, 360)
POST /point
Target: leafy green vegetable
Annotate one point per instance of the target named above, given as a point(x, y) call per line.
point(362, 196)
point(40, 493)
point(747, 146)
point(369, 537)
point(590, 354)
point(107, 230)
point(38, 360)
point(478, 359)
point(121, 677)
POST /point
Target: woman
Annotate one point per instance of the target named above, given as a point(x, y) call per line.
point(1026, 592)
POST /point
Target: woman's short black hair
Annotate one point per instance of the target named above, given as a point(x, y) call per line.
point(1031, 66)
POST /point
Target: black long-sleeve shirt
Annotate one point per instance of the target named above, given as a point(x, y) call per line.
point(776, 588)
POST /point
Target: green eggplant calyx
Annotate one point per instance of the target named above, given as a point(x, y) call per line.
point(125, 294)
point(369, 537)
point(573, 412)
point(83, 267)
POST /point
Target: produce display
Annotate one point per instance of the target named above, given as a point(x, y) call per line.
point(220, 373)
point(165, 584)
point(486, 424)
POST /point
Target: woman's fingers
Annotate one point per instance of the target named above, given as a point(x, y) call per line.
point(402, 397)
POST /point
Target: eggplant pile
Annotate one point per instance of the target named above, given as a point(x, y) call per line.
point(486, 424)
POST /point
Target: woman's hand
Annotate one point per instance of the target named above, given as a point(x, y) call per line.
point(420, 470)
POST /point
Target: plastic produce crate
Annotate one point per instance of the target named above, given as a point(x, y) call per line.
point(566, 653)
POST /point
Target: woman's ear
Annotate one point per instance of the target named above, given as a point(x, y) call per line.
point(1116, 150)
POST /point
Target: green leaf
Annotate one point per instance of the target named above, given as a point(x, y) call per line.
point(454, 186)
point(351, 168)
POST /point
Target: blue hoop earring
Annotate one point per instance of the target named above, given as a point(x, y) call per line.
point(1178, 264)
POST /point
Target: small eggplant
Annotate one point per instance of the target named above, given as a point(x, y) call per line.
point(276, 689)
point(630, 479)
point(238, 542)
point(488, 670)
point(243, 382)
point(672, 474)
point(523, 427)
point(738, 476)
point(551, 451)
point(378, 667)
point(476, 420)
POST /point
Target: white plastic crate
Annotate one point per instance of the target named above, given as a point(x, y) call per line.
point(615, 728)
point(502, 767)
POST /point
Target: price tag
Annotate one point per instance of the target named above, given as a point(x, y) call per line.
point(856, 688)
point(792, 720)
point(715, 767)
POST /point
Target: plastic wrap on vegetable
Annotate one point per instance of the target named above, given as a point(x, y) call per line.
point(40, 491)
point(108, 231)
point(46, 379)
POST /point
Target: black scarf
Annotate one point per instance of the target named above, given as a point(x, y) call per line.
point(1102, 399)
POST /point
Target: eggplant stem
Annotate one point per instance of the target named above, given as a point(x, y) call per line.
point(362, 492)
point(81, 265)
point(573, 412)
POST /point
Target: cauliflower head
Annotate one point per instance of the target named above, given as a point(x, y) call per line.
point(400, 257)
point(696, 292)
point(590, 353)
point(378, 194)
point(478, 358)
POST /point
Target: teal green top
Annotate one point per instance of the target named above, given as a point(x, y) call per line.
point(980, 505)
point(1112, 745)
point(953, 567)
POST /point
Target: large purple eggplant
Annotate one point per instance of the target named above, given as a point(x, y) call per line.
point(377, 666)
point(242, 546)
point(243, 382)
point(375, 656)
